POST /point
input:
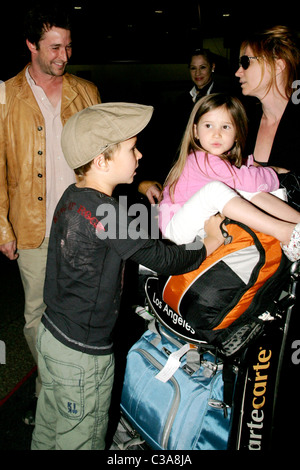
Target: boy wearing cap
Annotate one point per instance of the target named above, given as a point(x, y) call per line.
point(87, 250)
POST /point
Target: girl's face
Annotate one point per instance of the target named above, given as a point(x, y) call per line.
point(216, 131)
point(200, 71)
point(252, 82)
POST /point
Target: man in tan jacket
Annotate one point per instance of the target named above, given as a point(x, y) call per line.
point(34, 106)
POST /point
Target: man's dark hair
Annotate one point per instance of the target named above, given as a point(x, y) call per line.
point(41, 18)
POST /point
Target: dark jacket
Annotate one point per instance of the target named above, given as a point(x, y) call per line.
point(285, 152)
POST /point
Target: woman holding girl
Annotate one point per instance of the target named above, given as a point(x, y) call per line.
point(269, 62)
point(210, 176)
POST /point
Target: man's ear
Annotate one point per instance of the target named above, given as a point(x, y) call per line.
point(31, 46)
point(101, 163)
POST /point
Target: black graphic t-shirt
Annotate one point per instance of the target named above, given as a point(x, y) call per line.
point(91, 237)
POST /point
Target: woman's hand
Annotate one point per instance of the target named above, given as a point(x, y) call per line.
point(280, 170)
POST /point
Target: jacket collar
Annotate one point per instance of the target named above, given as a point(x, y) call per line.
point(69, 91)
point(23, 90)
point(25, 94)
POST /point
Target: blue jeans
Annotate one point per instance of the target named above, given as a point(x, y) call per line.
point(73, 404)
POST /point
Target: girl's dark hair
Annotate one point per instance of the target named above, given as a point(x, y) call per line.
point(190, 143)
point(239, 118)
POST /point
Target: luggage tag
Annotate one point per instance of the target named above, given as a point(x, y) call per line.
point(173, 363)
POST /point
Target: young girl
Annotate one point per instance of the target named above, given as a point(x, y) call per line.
point(210, 176)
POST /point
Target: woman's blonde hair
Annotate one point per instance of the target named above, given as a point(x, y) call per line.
point(190, 144)
point(278, 42)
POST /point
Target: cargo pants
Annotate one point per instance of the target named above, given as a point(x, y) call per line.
point(73, 404)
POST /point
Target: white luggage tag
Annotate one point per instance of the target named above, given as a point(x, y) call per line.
point(173, 363)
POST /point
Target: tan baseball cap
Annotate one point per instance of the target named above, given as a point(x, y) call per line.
point(91, 131)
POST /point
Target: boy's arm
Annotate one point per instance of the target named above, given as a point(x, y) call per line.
point(168, 258)
point(164, 257)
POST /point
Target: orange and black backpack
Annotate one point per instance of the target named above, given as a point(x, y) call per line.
point(230, 298)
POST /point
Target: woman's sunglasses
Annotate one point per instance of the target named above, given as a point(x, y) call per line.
point(244, 61)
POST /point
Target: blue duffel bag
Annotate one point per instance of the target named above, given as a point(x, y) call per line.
point(173, 396)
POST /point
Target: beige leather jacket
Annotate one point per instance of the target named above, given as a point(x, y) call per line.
point(22, 155)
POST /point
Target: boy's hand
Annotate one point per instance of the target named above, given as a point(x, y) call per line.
point(212, 227)
point(214, 237)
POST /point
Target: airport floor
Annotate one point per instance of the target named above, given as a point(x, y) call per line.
point(18, 373)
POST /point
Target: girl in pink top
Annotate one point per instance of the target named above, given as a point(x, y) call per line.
point(210, 177)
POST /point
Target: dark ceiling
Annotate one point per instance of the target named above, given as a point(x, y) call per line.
point(157, 31)
point(164, 30)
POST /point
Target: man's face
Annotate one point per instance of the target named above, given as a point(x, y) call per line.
point(54, 52)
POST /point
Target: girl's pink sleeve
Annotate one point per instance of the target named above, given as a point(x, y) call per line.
point(247, 178)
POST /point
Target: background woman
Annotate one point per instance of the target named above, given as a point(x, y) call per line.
point(201, 67)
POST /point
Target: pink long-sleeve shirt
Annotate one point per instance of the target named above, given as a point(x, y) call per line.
point(199, 171)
